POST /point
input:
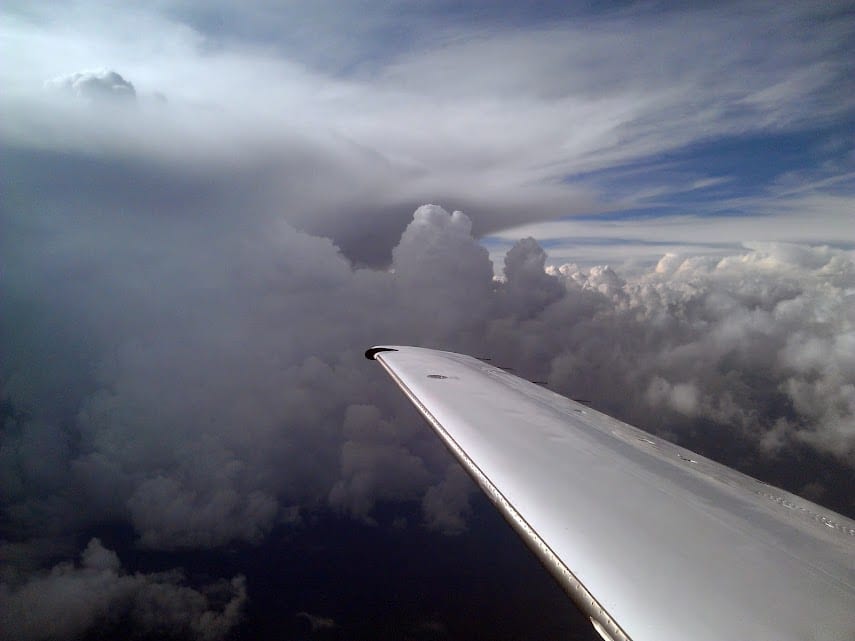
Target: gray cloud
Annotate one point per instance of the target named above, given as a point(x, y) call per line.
point(316, 622)
point(73, 598)
point(213, 379)
point(446, 504)
point(374, 464)
point(226, 381)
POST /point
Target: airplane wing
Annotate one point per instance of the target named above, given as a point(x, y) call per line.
point(651, 541)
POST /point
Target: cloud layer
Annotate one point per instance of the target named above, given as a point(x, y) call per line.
point(212, 377)
point(186, 300)
point(217, 378)
point(577, 106)
point(73, 599)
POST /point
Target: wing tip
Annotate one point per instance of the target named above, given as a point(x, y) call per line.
point(371, 353)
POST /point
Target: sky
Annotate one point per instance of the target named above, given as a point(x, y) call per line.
point(210, 210)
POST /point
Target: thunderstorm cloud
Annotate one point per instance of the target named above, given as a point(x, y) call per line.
point(188, 287)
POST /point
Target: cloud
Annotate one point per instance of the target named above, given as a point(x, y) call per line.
point(73, 598)
point(433, 119)
point(226, 382)
point(682, 397)
point(641, 242)
point(727, 340)
point(213, 376)
point(528, 289)
point(442, 276)
point(446, 505)
point(189, 287)
point(317, 622)
point(101, 84)
point(375, 465)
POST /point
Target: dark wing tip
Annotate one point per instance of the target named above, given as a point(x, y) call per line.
point(371, 353)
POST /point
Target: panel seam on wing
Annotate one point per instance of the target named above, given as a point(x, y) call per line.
point(577, 591)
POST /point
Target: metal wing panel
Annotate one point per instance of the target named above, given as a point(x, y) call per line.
point(652, 541)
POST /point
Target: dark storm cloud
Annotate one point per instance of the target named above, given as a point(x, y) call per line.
point(72, 599)
point(223, 381)
point(316, 622)
point(220, 355)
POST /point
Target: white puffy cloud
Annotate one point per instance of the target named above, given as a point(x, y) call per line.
point(528, 289)
point(71, 599)
point(443, 277)
point(760, 340)
point(100, 84)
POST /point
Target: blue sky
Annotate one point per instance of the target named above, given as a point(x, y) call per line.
point(725, 192)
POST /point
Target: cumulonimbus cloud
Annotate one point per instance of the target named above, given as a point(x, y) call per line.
point(182, 357)
point(216, 370)
point(213, 379)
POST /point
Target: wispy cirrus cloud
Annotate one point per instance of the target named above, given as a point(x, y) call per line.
point(518, 121)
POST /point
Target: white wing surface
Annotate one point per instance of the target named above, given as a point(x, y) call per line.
point(653, 542)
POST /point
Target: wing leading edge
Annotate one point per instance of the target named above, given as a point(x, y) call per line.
point(651, 541)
